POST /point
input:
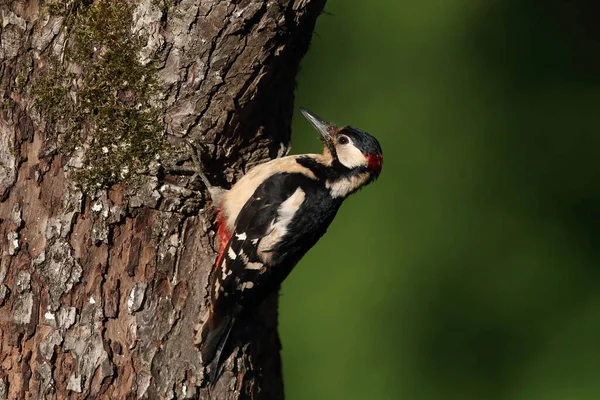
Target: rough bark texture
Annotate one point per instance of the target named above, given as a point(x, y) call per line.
point(103, 275)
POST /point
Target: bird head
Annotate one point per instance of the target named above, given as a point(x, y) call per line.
point(352, 148)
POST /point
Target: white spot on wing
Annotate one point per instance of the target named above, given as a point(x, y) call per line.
point(241, 236)
point(231, 254)
point(244, 256)
point(225, 274)
point(254, 265)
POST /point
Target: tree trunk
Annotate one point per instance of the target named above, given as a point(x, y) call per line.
point(107, 243)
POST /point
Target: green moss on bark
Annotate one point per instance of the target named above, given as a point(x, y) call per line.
point(99, 96)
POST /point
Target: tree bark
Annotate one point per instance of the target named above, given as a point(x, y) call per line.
point(107, 243)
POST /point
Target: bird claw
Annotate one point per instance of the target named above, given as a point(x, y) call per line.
point(215, 192)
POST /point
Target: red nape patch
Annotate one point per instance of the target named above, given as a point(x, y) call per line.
point(223, 235)
point(375, 161)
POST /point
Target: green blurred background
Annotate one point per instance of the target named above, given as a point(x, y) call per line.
point(470, 270)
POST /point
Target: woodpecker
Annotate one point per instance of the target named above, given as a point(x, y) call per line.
point(272, 216)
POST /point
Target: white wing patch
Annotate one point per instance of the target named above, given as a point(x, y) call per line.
point(285, 213)
point(288, 208)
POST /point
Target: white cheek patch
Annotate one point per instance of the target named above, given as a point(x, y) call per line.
point(350, 156)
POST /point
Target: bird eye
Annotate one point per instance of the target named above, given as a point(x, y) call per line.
point(343, 140)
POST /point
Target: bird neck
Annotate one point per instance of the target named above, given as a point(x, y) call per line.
point(340, 180)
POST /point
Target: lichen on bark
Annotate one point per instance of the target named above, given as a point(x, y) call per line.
point(97, 95)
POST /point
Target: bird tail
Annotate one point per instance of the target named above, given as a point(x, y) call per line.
point(215, 335)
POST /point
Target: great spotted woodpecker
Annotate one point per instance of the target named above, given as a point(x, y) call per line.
point(272, 216)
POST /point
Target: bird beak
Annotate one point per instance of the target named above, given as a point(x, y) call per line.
point(321, 126)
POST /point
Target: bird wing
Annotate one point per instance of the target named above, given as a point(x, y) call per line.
point(259, 225)
point(241, 273)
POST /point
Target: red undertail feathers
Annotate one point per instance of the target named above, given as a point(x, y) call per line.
point(223, 235)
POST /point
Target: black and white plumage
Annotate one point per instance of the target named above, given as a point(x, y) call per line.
point(273, 215)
